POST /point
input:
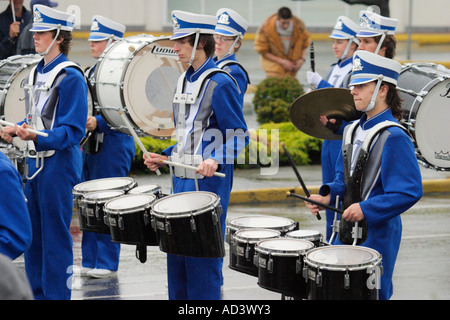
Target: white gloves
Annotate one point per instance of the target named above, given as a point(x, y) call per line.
point(313, 78)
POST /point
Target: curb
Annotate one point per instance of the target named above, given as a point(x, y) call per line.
point(280, 194)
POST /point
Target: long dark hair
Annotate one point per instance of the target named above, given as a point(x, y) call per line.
point(394, 101)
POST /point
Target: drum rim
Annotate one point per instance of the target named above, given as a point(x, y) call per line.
point(241, 239)
point(286, 228)
point(76, 189)
point(87, 198)
point(285, 253)
point(187, 213)
point(343, 267)
point(131, 209)
point(316, 236)
point(157, 188)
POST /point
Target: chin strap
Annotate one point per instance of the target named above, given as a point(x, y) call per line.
point(375, 93)
point(238, 36)
point(53, 42)
point(383, 36)
point(197, 36)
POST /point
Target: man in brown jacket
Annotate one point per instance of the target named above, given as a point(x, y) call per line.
point(281, 42)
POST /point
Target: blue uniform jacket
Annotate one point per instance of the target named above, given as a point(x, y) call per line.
point(397, 188)
point(15, 224)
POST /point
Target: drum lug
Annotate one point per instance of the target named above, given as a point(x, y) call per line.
point(298, 266)
point(146, 219)
point(193, 226)
point(214, 217)
point(319, 279)
point(247, 252)
point(270, 265)
point(167, 227)
point(153, 223)
point(346, 280)
point(120, 223)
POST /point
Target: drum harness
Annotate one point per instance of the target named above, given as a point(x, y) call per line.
point(182, 99)
point(365, 167)
point(34, 119)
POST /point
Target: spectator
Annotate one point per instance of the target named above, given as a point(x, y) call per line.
point(281, 43)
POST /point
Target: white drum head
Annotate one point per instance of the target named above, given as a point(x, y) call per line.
point(184, 203)
point(13, 72)
point(342, 257)
point(151, 188)
point(121, 183)
point(252, 235)
point(304, 234)
point(129, 202)
point(284, 246)
point(101, 196)
point(432, 129)
point(264, 222)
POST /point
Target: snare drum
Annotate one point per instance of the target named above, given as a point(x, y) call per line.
point(343, 273)
point(281, 224)
point(13, 72)
point(129, 219)
point(138, 75)
point(244, 242)
point(425, 89)
point(81, 189)
point(310, 235)
point(92, 204)
point(188, 224)
point(148, 189)
point(280, 265)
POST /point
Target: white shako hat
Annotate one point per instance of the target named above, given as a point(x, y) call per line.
point(372, 24)
point(368, 66)
point(47, 19)
point(103, 29)
point(230, 23)
point(346, 29)
point(186, 23)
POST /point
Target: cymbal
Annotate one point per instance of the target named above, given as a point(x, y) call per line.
point(306, 110)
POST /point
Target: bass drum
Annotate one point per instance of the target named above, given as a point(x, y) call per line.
point(425, 89)
point(13, 72)
point(138, 76)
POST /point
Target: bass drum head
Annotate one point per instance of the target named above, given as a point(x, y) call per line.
point(425, 90)
point(13, 72)
point(432, 129)
point(342, 257)
point(139, 74)
point(185, 203)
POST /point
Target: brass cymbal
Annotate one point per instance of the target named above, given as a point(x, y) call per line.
point(306, 110)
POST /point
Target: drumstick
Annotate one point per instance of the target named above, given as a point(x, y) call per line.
point(39, 133)
point(315, 202)
point(136, 138)
point(176, 164)
point(305, 190)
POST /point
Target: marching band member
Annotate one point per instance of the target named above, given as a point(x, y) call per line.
point(345, 44)
point(57, 105)
point(229, 33)
point(377, 149)
point(217, 112)
point(107, 153)
point(376, 34)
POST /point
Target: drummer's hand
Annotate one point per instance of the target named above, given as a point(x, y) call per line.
point(24, 134)
point(207, 167)
point(154, 162)
point(353, 213)
point(91, 123)
point(14, 29)
point(314, 208)
point(7, 133)
point(324, 120)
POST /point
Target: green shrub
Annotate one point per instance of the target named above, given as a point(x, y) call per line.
point(151, 145)
point(273, 98)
